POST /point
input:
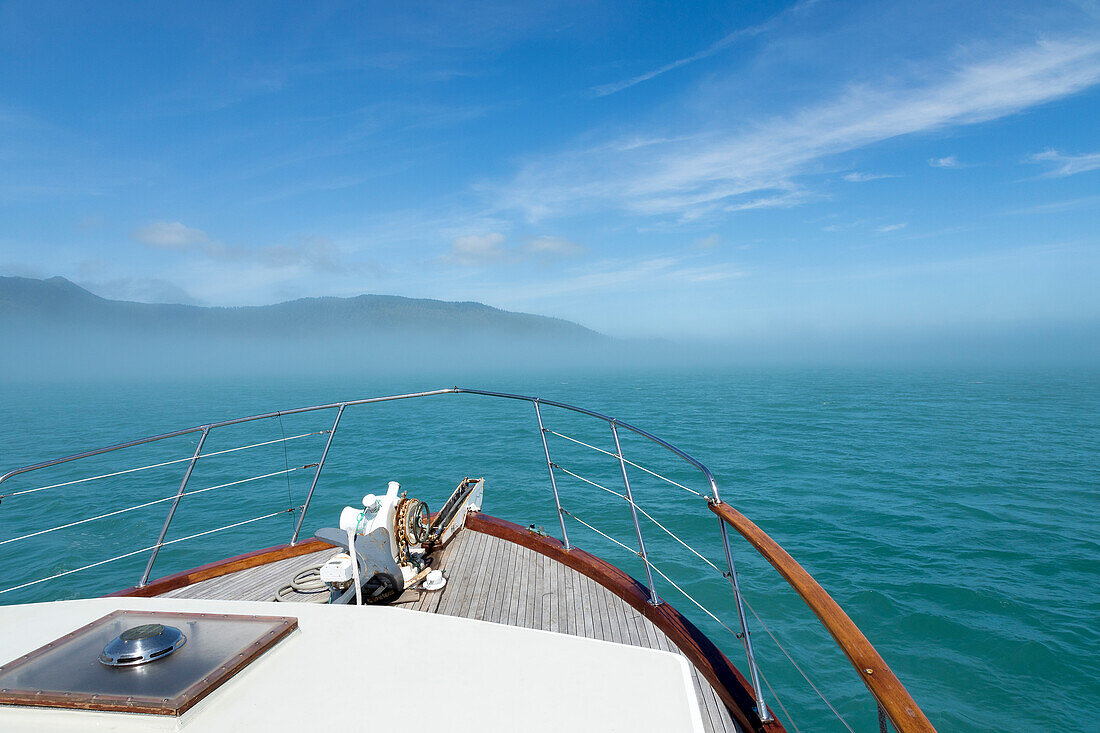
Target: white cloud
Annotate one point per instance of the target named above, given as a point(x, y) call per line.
point(892, 227)
point(949, 161)
point(1066, 165)
point(478, 250)
point(311, 253)
point(859, 177)
point(731, 169)
point(169, 235)
point(552, 246)
point(708, 242)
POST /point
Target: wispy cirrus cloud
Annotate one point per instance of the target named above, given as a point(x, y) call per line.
point(861, 177)
point(720, 169)
point(722, 43)
point(1058, 207)
point(886, 228)
point(841, 226)
point(1062, 165)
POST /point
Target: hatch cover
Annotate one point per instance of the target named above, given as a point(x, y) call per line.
point(140, 661)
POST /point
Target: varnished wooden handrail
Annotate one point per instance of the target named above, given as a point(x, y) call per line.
point(886, 688)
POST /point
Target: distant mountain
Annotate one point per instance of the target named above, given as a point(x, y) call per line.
point(57, 303)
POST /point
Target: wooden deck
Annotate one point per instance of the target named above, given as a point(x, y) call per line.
point(498, 581)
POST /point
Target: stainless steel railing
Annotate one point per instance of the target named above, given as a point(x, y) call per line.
point(615, 426)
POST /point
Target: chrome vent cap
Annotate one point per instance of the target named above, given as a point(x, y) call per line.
point(142, 644)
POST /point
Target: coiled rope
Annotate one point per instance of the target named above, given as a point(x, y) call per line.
point(306, 582)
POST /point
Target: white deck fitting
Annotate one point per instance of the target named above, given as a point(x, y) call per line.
point(371, 668)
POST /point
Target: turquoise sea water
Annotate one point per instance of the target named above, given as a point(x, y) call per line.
point(954, 515)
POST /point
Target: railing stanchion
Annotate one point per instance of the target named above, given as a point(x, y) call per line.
point(317, 475)
point(761, 707)
point(172, 509)
point(654, 599)
point(896, 709)
point(553, 481)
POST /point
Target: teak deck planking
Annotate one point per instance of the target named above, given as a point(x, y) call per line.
point(492, 579)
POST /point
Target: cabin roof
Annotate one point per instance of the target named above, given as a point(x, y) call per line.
point(378, 668)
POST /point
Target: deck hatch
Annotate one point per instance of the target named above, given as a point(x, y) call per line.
point(70, 672)
point(142, 644)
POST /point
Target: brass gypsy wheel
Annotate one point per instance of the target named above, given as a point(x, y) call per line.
point(411, 525)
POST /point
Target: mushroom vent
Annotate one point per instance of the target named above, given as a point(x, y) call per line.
point(142, 644)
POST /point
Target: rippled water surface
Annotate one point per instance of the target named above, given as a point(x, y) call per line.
point(954, 515)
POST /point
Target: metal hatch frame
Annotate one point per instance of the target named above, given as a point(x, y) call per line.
point(280, 627)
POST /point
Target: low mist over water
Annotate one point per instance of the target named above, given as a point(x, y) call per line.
point(54, 329)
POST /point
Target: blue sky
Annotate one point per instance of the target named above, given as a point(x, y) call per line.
point(720, 171)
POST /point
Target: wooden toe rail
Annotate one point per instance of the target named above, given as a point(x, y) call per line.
point(886, 688)
point(222, 567)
